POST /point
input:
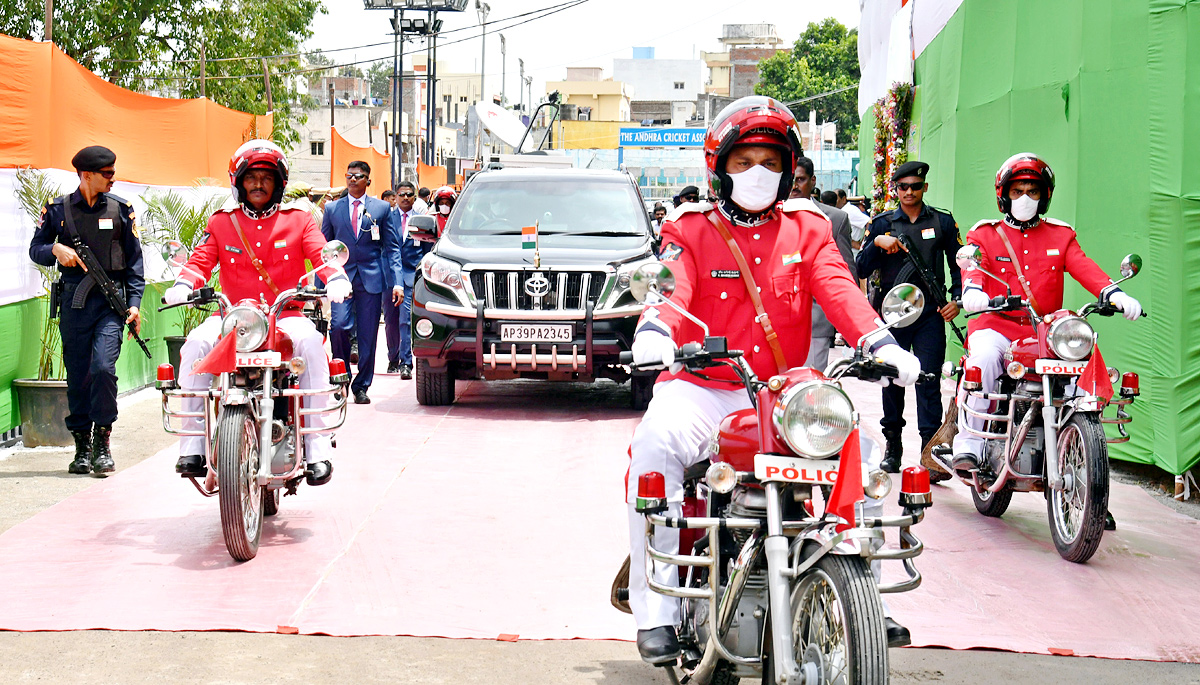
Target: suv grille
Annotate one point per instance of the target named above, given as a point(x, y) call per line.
point(567, 289)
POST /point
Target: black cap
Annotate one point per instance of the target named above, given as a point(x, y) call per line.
point(689, 190)
point(911, 169)
point(93, 158)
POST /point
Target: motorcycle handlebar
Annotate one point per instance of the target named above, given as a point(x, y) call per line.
point(201, 296)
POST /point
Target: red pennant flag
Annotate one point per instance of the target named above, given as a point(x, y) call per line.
point(1094, 379)
point(222, 358)
point(848, 490)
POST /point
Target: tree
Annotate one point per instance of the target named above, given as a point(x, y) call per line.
point(155, 45)
point(380, 75)
point(824, 58)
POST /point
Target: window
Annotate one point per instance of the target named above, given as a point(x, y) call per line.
point(679, 85)
point(318, 148)
point(462, 98)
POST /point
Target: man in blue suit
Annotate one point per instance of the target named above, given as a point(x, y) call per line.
point(397, 315)
point(364, 224)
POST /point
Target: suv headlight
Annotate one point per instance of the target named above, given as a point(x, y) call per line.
point(814, 418)
point(1071, 338)
point(249, 324)
point(442, 272)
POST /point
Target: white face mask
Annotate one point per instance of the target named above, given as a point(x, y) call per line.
point(755, 189)
point(1024, 208)
point(443, 209)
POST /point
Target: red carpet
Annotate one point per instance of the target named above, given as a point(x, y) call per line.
point(502, 515)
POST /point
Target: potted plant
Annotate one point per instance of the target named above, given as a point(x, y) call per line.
point(42, 400)
point(173, 217)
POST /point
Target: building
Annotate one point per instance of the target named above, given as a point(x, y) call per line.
point(603, 99)
point(348, 90)
point(362, 126)
point(666, 80)
point(733, 71)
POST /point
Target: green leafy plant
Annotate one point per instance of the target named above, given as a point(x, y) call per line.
point(172, 216)
point(34, 191)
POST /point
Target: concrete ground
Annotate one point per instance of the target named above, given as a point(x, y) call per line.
point(33, 480)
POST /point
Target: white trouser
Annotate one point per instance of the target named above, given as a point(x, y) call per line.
point(670, 438)
point(987, 352)
point(306, 343)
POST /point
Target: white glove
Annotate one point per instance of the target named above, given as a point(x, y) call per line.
point(652, 347)
point(908, 367)
point(1129, 306)
point(338, 290)
point(975, 300)
point(177, 294)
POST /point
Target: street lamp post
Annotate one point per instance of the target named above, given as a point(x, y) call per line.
point(482, 9)
point(503, 71)
point(521, 84)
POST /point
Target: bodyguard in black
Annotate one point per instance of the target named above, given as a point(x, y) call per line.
point(90, 328)
point(935, 235)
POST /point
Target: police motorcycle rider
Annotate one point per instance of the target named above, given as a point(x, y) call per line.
point(1038, 247)
point(751, 150)
point(282, 239)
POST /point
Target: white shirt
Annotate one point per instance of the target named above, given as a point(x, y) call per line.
point(858, 221)
point(362, 209)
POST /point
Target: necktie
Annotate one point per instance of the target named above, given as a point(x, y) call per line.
point(404, 226)
point(354, 218)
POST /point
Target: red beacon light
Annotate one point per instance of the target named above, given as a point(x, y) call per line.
point(972, 378)
point(914, 488)
point(652, 493)
point(1130, 384)
point(166, 377)
point(337, 372)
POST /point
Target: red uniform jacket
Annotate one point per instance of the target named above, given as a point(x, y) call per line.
point(793, 259)
point(1045, 252)
point(282, 242)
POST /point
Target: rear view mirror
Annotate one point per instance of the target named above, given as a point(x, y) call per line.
point(423, 227)
point(335, 251)
point(652, 277)
point(1131, 265)
point(903, 305)
point(968, 257)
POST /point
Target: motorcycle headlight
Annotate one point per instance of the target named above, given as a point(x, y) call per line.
point(1071, 338)
point(249, 324)
point(814, 418)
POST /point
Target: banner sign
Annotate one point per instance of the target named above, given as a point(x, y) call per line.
point(662, 137)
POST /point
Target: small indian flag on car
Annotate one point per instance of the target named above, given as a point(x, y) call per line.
point(529, 237)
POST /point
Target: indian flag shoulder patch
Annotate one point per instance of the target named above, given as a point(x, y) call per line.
point(280, 244)
point(529, 237)
point(793, 258)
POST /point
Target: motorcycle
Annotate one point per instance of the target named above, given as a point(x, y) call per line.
point(254, 421)
point(769, 588)
point(1039, 410)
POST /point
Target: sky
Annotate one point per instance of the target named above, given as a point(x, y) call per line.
point(589, 35)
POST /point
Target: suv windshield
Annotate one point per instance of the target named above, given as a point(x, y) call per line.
point(571, 213)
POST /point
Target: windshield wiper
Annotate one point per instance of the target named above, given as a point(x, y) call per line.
point(592, 233)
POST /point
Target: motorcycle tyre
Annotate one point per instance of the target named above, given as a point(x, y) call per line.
point(1087, 540)
point(854, 587)
point(236, 427)
point(724, 674)
point(271, 500)
point(992, 504)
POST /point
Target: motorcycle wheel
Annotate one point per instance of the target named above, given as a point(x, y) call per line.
point(992, 504)
point(1077, 511)
point(837, 622)
point(240, 496)
point(271, 501)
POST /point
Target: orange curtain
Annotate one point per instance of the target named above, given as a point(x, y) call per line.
point(51, 107)
point(342, 153)
point(433, 177)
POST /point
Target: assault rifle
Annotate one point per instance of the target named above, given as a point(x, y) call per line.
point(111, 292)
point(933, 287)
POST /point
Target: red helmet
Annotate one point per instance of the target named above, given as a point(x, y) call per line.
point(443, 193)
point(752, 120)
point(258, 154)
point(1024, 166)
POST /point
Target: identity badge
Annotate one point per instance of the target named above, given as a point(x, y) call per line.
point(106, 224)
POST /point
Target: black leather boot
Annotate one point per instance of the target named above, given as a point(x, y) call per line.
point(659, 645)
point(83, 453)
point(897, 635)
point(102, 461)
point(892, 453)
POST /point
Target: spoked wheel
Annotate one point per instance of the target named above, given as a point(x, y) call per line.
point(992, 504)
point(271, 500)
point(237, 470)
point(837, 623)
point(1077, 511)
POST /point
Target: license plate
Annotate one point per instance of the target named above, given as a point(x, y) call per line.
point(259, 359)
point(536, 332)
point(768, 467)
point(1057, 367)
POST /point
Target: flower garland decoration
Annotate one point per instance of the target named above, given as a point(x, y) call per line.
point(893, 117)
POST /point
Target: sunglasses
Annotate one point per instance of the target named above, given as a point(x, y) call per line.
point(911, 186)
point(355, 177)
point(405, 195)
point(108, 175)
point(690, 198)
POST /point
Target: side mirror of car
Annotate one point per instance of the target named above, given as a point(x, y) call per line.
point(423, 227)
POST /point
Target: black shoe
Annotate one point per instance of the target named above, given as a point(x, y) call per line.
point(659, 645)
point(394, 368)
point(102, 461)
point(83, 453)
point(1110, 523)
point(318, 472)
point(405, 372)
point(964, 463)
point(354, 351)
point(891, 455)
point(897, 635)
point(191, 465)
point(360, 397)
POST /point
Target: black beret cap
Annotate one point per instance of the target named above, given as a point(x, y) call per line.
point(911, 169)
point(93, 158)
point(689, 190)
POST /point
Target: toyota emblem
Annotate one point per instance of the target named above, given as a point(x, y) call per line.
point(537, 285)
